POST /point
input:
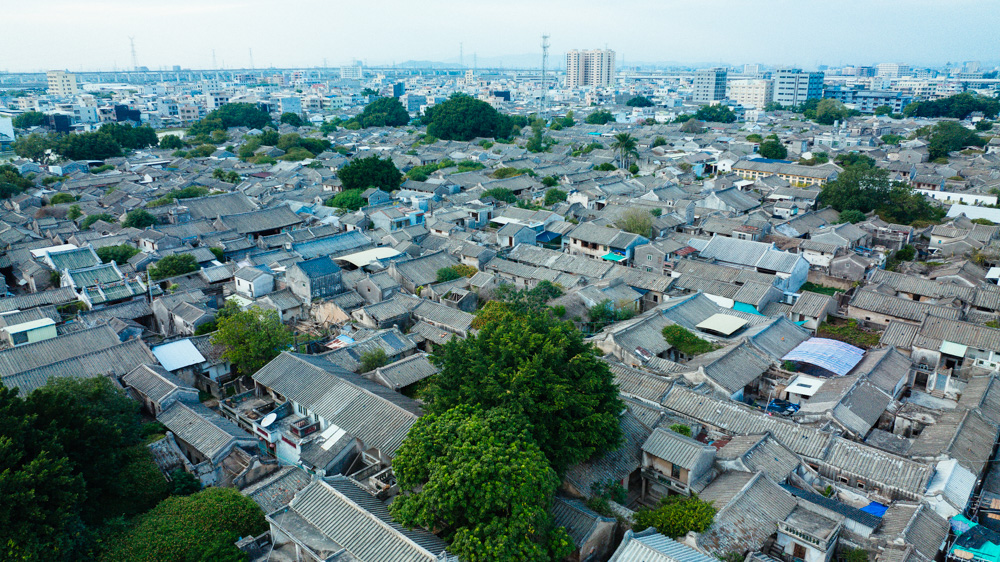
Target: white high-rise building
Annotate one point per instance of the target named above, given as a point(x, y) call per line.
point(61, 83)
point(793, 87)
point(710, 85)
point(595, 67)
point(352, 72)
point(752, 93)
point(893, 70)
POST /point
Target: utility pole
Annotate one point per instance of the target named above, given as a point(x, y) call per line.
point(545, 62)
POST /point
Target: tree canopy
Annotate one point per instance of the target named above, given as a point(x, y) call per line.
point(293, 119)
point(30, 119)
point(139, 218)
point(89, 220)
point(11, 182)
point(480, 478)
point(350, 199)
point(829, 110)
point(172, 266)
point(129, 137)
point(231, 115)
point(464, 118)
point(362, 173)
point(639, 101)
point(959, 106)
point(637, 221)
point(948, 136)
point(99, 145)
point(772, 148)
point(599, 117)
point(118, 254)
point(71, 458)
point(684, 341)
point(171, 142)
point(197, 527)
point(676, 516)
point(538, 367)
point(554, 195)
point(625, 145)
point(383, 112)
point(501, 194)
point(251, 337)
point(715, 114)
point(865, 188)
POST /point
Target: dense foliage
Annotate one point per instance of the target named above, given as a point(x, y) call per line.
point(455, 272)
point(172, 266)
point(11, 182)
point(948, 136)
point(231, 115)
point(637, 221)
point(362, 173)
point(536, 366)
point(553, 196)
point(350, 199)
point(676, 516)
point(374, 359)
point(958, 106)
point(198, 527)
point(772, 148)
point(715, 114)
point(464, 118)
point(606, 312)
point(31, 119)
point(293, 119)
point(501, 194)
point(848, 332)
point(639, 101)
point(87, 146)
point(684, 341)
point(89, 220)
point(129, 137)
point(479, 478)
point(171, 142)
point(118, 254)
point(139, 218)
point(830, 110)
point(251, 337)
point(383, 112)
point(852, 216)
point(865, 188)
point(599, 117)
point(71, 458)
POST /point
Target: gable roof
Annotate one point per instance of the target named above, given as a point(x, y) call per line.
point(38, 354)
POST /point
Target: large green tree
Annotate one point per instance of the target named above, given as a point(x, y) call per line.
point(599, 117)
point(866, 188)
point(172, 266)
point(639, 101)
point(88, 146)
point(772, 148)
point(362, 173)
point(118, 254)
point(625, 145)
point(715, 114)
point(479, 479)
point(231, 115)
point(541, 368)
point(11, 182)
point(349, 199)
point(383, 112)
point(195, 528)
point(31, 119)
point(830, 110)
point(129, 137)
point(959, 106)
point(676, 516)
point(35, 146)
point(251, 337)
point(463, 118)
point(139, 218)
point(948, 136)
point(293, 119)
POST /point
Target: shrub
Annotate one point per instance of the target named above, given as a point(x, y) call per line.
point(686, 342)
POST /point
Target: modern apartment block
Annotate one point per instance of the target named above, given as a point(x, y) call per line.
point(595, 67)
point(893, 70)
point(61, 83)
point(794, 87)
point(710, 85)
point(352, 72)
point(752, 93)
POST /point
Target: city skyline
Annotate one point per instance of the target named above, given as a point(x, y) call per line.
point(920, 33)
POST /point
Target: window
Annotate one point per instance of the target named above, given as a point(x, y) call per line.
point(649, 257)
point(843, 480)
point(675, 472)
point(861, 485)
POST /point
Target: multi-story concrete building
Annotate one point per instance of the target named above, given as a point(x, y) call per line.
point(893, 70)
point(61, 83)
point(595, 67)
point(866, 101)
point(794, 87)
point(752, 93)
point(352, 72)
point(710, 85)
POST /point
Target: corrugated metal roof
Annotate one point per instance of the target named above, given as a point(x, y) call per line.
point(178, 354)
point(206, 431)
point(875, 466)
point(650, 546)
point(834, 356)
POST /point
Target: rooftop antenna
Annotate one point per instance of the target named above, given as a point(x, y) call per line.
point(545, 61)
point(135, 59)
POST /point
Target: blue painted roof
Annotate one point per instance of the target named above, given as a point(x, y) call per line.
point(875, 508)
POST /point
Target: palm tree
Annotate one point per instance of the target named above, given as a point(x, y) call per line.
point(625, 145)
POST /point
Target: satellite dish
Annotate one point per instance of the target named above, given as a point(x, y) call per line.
point(269, 419)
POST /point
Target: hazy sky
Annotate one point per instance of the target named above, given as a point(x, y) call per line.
point(81, 34)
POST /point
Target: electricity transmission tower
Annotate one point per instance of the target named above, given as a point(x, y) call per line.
point(545, 61)
point(135, 59)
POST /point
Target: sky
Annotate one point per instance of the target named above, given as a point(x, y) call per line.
point(90, 35)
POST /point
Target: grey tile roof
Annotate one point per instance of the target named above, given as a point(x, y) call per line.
point(983, 393)
point(879, 467)
point(896, 307)
point(578, 520)
point(29, 356)
point(318, 267)
point(114, 360)
point(614, 465)
point(964, 435)
point(379, 417)
point(407, 371)
point(213, 206)
point(761, 453)
point(750, 507)
point(153, 381)
point(904, 283)
point(732, 367)
point(853, 513)
point(265, 219)
point(777, 337)
point(899, 334)
point(886, 368)
point(341, 512)
point(276, 490)
point(206, 431)
point(735, 419)
point(650, 546)
point(678, 449)
point(915, 524)
point(423, 270)
point(632, 382)
point(813, 305)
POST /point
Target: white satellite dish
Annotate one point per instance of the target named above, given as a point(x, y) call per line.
point(269, 419)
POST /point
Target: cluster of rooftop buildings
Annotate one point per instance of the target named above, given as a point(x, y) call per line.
point(804, 444)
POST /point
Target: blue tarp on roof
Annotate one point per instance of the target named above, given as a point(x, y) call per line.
point(834, 356)
point(875, 508)
point(546, 236)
